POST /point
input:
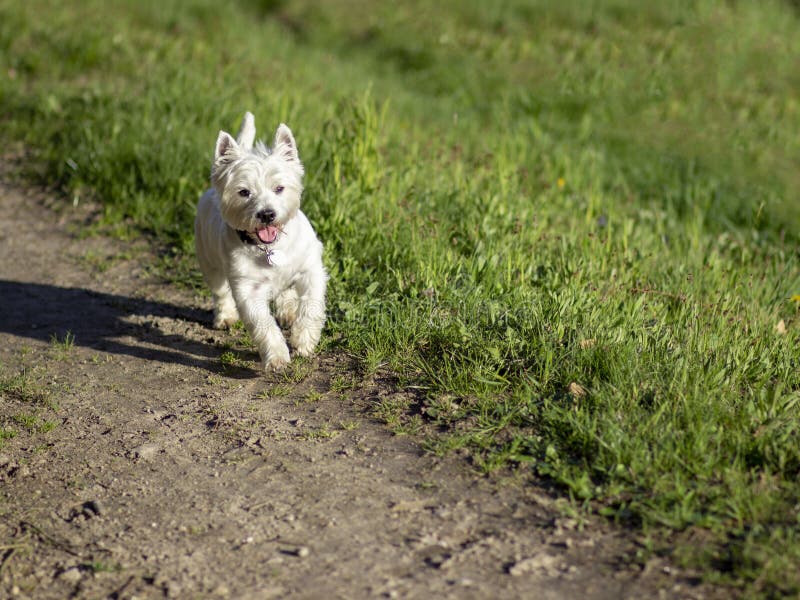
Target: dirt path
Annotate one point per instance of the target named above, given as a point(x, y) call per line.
point(144, 467)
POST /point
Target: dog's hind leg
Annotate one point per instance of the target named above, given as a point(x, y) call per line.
point(225, 312)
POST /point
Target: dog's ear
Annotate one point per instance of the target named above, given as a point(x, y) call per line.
point(247, 132)
point(285, 146)
point(226, 148)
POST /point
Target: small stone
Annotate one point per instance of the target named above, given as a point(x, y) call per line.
point(543, 563)
point(566, 523)
point(71, 575)
point(92, 508)
point(302, 552)
point(173, 589)
point(145, 451)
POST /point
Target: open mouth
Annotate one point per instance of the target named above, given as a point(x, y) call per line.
point(267, 234)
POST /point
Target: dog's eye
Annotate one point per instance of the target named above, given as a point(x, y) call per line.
point(279, 189)
point(244, 193)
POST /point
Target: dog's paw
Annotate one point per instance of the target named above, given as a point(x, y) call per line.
point(221, 322)
point(225, 317)
point(275, 365)
point(304, 340)
point(305, 350)
point(286, 319)
point(276, 360)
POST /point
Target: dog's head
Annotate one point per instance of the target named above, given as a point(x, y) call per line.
point(259, 187)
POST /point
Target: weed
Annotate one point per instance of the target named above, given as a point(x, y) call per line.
point(45, 426)
point(276, 390)
point(229, 360)
point(33, 423)
point(297, 370)
point(62, 347)
point(26, 421)
point(311, 397)
point(320, 433)
point(394, 412)
point(102, 262)
point(99, 566)
point(410, 426)
point(343, 382)
point(23, 388)
point(6, 433)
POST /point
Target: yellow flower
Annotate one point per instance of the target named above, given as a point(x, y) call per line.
point(560, 183)
point(796, 298)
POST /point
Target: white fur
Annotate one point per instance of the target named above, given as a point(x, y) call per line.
point(243, 279)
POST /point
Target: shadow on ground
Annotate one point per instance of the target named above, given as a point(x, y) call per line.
point(104, 322)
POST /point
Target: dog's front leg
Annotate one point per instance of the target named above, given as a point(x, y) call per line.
point(251, 301)
point(307, 327)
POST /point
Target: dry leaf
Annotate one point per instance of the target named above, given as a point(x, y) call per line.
point(576, 390)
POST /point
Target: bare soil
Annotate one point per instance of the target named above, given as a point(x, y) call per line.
point(145, 466)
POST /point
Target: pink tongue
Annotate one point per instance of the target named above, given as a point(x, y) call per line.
point(267, 234)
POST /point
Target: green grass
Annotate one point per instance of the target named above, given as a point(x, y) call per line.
point(6, 433)
point(515, 197)
point(33, 423)
point(23, 387)
point(62, 347)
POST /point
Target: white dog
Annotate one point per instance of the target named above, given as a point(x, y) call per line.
point(256, 247)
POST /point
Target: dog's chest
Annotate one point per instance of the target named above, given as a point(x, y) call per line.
point(271, 267)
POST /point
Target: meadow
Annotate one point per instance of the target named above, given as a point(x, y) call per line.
point(571, 226)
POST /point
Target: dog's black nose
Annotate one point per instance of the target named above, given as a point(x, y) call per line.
point(266, 216)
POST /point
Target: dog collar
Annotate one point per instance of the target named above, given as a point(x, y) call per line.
point(271, 255)
point(247, 238)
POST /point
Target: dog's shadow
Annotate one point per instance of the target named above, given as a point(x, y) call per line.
point(108, 323)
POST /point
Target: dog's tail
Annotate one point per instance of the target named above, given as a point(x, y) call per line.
point(247, 132)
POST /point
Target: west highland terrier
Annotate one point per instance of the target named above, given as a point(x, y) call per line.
point(256, 248)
